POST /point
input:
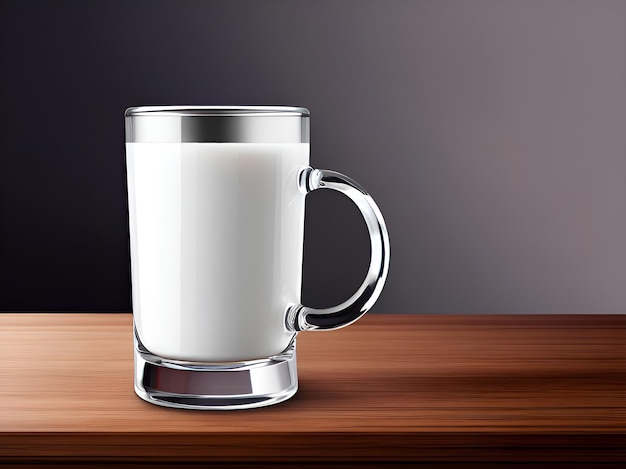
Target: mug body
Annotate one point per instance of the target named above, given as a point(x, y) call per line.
point(216, 226)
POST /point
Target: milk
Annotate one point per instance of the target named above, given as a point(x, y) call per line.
point(216, 236)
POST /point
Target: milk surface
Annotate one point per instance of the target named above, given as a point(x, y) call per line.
point(216, 234)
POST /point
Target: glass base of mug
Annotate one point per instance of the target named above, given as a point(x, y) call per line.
point(215, 386)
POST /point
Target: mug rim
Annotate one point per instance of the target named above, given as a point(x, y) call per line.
point(221, 111)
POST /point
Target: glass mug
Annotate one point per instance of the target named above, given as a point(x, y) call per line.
point(216, 201)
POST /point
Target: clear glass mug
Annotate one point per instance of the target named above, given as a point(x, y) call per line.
point(216, 208)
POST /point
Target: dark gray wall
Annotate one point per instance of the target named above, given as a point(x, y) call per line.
point(491, 133)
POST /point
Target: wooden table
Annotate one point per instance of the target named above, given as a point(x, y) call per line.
point(389, 388)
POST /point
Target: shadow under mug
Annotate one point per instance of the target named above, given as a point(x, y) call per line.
point(216, 201)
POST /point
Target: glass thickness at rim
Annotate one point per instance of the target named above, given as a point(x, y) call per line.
point(217, 124)
point(217, 111)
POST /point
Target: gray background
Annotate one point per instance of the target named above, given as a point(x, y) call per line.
point(491, 133)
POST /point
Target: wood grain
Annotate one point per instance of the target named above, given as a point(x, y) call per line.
point(388, 388)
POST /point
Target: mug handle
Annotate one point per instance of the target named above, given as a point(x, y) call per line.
point(303, 318)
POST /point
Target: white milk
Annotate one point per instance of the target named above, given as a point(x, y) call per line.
point(216, 233)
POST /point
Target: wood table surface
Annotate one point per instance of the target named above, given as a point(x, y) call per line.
point(389, 388)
